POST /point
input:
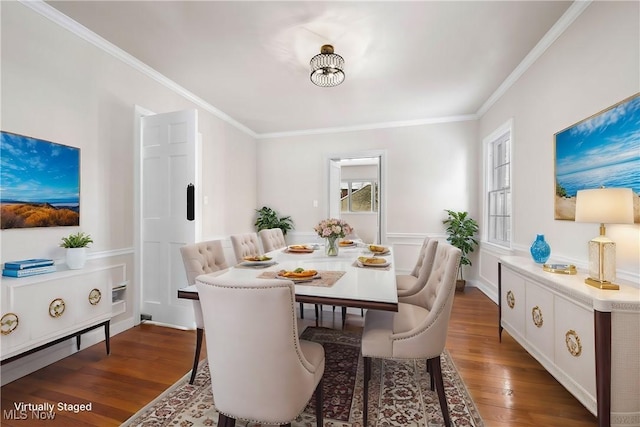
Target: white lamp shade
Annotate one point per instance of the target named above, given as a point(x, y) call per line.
point(605, 206)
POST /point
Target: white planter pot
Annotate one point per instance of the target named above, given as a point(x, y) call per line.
point(76, 258)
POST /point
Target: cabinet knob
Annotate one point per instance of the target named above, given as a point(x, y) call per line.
point(536, 315)
point(56, 307)
point(572, 340)
point(511, 299)
point(9, 323)
point(95, 296)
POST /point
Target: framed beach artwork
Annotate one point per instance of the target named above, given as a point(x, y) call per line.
point(602, 150)
point(39, 183)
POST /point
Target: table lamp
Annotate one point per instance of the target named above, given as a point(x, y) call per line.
point(610, 206)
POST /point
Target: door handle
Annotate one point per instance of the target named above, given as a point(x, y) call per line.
point(191, 210)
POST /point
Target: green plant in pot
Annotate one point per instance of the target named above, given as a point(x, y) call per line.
point(76, 245)
point(461, 231)
point(268, 218)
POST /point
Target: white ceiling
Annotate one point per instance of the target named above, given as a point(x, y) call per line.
point(405, 61)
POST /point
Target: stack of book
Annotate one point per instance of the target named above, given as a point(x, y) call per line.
point(28, 267)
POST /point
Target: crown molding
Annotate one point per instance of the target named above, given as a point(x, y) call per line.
point(49, 12)
point(371, 126)
point(565, 21)
point(84, 33)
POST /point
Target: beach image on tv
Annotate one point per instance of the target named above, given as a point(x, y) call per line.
point(39, 183)
point(601, 151)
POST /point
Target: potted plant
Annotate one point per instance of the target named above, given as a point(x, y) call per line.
point(76, 245)
point(268, 218)
point(461, 231)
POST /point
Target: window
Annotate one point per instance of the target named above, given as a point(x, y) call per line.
point(358, 196)
point(498, 186)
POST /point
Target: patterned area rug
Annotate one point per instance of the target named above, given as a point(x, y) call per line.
point(399, 393)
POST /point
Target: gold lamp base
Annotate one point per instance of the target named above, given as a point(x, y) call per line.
point(601, 285)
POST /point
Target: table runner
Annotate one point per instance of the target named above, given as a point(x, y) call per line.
point(327, 278)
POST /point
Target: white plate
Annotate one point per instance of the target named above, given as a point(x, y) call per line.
point(366, 264)
point(303, 249)
point(299, 279)
point(256, 263)
point(367, 252)
point(350, 245)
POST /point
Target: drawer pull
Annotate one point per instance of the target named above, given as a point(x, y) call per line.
point(572, 340)
point(95, 296)
point(536, 315)
point(56, 307)
point(511, 300)
point(9, 323)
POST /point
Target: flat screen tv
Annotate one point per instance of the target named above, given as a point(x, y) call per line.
point(39, 183)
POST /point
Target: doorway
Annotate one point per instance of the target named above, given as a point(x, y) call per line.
point(356, 192)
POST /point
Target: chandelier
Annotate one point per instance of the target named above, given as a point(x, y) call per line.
point(327, 68)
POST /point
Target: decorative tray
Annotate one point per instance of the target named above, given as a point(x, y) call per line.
point(560, 268)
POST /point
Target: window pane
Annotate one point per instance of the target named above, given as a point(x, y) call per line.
point(361, 196)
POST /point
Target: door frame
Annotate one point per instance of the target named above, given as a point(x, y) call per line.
point(382, 183)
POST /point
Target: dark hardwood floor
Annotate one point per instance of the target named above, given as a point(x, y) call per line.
point(509, 387)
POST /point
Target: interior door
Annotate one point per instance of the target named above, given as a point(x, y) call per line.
point(169, 145)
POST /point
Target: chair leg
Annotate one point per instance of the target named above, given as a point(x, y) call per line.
point(224, 421)
point(365, 399)
point(437, 374)
point(302, 310)
point(319, 400)
point(430, 371)
point(196, 357)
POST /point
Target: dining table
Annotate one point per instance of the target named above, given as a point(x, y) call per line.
point(342, 280)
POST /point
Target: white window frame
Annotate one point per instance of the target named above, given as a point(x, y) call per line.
point(499, 135)
point(349, 182)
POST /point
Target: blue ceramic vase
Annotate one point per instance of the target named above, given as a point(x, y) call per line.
point(540, 249)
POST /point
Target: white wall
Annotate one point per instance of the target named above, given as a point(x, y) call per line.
point(593, 65)
point(430, 168)
point(58, 87)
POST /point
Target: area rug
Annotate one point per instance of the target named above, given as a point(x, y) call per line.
point(399, 393)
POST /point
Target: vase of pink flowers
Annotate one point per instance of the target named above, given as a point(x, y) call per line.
point(332, 229)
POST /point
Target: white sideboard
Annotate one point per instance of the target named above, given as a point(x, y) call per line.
point(39, 311)
point(587, 338)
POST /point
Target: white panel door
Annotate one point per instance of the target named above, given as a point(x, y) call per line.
point(168, 166)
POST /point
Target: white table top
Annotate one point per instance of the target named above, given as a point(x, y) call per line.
point(371, 287)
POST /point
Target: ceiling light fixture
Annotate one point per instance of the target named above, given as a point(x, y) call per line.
point(327, 68)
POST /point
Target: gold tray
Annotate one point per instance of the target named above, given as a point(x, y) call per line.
point(560, 268)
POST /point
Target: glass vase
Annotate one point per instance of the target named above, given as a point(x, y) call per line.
point(540, 249)
point(331, 246)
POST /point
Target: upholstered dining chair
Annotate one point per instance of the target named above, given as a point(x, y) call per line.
point(260, 370)
point(415, 331)
point(201, 258)
point(410, 284)
point(245, 245)
point(272, 239)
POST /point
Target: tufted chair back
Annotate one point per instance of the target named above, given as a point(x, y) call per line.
point(245, 245)
point(260, 370)
point(410, 285)
point(272, 239)
point(202, 258)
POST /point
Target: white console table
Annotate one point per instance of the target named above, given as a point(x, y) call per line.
point(587, 338)
point(43, 310)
